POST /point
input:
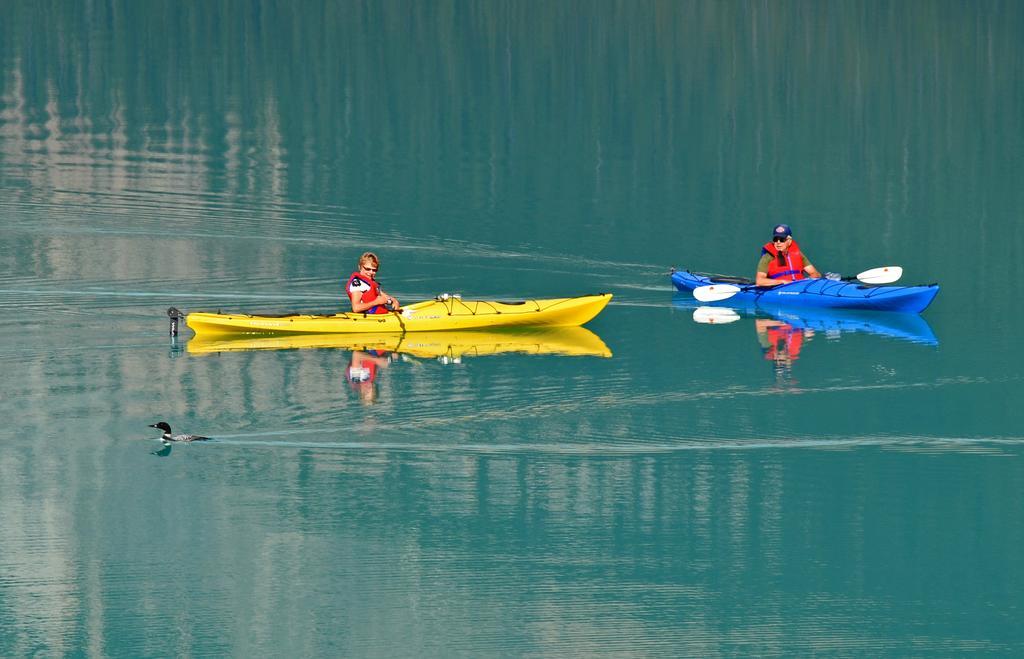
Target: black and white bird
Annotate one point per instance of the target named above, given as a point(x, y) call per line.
point(168, 437)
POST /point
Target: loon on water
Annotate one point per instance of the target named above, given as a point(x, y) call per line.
point(168, 437)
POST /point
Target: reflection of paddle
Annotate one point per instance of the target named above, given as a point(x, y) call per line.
point(714, 315)
point(717, 292)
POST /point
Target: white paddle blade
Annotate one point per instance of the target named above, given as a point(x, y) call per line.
point(884, 275)
point(715, 292)
point(714, 315)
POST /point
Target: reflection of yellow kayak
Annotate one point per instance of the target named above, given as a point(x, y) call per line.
point(575, 341)
point(430, 316)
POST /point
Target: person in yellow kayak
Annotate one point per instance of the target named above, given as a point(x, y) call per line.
point(782, 260)
point(363, 290)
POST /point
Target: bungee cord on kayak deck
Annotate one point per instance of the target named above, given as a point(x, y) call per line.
point(446, 298)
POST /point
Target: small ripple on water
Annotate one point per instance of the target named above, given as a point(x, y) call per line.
point(174, 214)
point(994, 446)
point(41, 297)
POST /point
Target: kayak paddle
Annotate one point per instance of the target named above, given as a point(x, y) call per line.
point(718, 292)
point(885, 275)
point(715, 292)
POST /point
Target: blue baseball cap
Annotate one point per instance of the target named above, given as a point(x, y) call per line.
point(782, 230)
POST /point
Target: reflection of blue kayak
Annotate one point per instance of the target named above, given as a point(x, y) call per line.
point(817, 293)
point(905, 326)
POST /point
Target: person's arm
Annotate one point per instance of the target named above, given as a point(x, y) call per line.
point(810, 269)
point(762, 278)
point(358, 306)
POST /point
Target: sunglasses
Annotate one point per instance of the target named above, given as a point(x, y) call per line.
point(369, 269)
point(780, 239)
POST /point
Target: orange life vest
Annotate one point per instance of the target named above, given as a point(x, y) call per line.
point(367, 296)
point(792, 266)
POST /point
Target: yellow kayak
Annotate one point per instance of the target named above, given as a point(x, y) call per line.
point(442, 314)
point(575, 341)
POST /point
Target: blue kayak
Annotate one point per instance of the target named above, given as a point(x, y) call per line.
point(819, 293)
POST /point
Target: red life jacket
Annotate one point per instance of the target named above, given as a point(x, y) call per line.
point(793, 266)
point(367, 296)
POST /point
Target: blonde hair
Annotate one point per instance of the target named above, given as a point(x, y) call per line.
point(369, 256)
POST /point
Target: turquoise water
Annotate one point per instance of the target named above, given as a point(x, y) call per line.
point(771, 485)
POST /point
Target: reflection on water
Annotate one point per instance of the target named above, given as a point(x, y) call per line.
point(783, 332)
point(361, 373)
point(163, 451)
point(608, 549)
point(833, 322)
point(569, 341)
point(372, 353)
point(781, 343)
point(715, 315)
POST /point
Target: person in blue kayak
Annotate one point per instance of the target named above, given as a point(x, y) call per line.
point(782, 260)
point(363, 290)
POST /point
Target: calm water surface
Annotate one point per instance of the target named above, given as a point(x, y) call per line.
point(651, 485)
